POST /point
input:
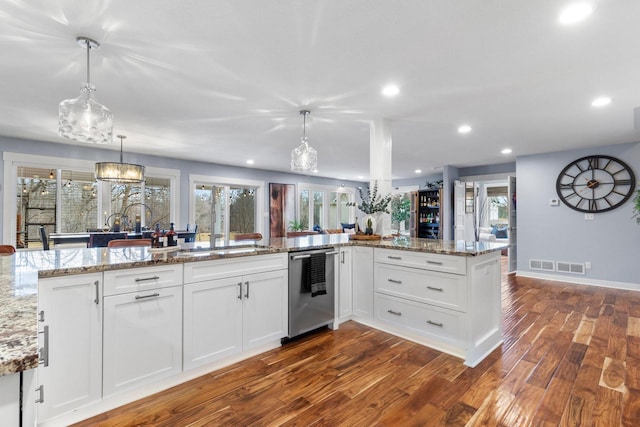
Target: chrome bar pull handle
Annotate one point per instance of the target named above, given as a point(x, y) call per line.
point(394, 257)
point(145, 279)
point(331, 253)
point(342, 257)
point(394, 281)
point(147, 296)
point(44, 350)
point(397, 313)
point(434, 262)
point(435, 289)
point(297, 257)
point(440, 325)
point(97, 300)
point(240, 291)
point(247, 294)
point(40, 391)
point(41, 316)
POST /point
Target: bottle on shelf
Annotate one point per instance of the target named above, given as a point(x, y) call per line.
point(155, 238)
point(116, 224)
point(171, 237)
point(357, 227)
point(137, 227)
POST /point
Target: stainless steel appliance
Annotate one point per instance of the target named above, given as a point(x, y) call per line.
point(311, 290)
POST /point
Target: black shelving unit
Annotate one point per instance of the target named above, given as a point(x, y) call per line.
point(429, 215)
point(34, 218)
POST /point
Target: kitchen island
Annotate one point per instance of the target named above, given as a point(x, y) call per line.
point(21, 272)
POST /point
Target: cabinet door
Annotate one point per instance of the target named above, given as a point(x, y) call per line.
point(345, 288)
point(362, 282)
point(265, 312)
point(212, 320)
point(71, 309)
point(142, 338)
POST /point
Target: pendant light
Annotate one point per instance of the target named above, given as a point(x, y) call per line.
point(124, 173)
point(83, 118)
point(304, 158)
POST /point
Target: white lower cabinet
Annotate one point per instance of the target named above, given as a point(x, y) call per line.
point(227, 315)
point(142, 338)
point(70, 343)
point(362, 282)
point(345, 284)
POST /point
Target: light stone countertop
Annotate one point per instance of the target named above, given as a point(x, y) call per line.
point(19, 275)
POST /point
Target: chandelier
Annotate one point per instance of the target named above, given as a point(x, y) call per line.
point(124, 173)
point(304, 158)
point(83, 118)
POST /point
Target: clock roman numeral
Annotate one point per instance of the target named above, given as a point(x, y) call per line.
point(621, 182)
point(566, 186)
point(593, 163)
point(593, 205)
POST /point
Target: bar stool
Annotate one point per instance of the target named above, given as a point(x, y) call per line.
point(7, 250)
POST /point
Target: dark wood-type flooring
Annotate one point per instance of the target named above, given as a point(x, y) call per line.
point(571, 357)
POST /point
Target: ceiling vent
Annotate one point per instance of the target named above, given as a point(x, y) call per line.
point(539, 264)
point(570, 267)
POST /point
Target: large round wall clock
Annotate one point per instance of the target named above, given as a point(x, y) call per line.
point(595, 184)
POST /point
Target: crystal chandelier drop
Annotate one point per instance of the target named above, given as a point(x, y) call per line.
point(83, 118)
point(124, 173)
point(304, 158)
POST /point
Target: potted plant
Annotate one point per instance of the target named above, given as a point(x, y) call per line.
point(636, 207)
point(296, 225)
point(372, 203)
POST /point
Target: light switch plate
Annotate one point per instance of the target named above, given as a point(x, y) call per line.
point(554, 202)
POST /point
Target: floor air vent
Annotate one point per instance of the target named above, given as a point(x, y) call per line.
point(539, 264)
point(570, 267)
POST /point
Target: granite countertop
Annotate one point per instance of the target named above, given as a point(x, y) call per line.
point(19, 275)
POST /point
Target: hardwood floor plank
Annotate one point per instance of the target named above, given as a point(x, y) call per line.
point(571, 357)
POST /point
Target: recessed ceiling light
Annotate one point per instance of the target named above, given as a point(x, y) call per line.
point(315, 171)
point(464, 129)
point(575, 12)
point(360, 177)
point(506, 151)
point(390, 90)
point(601, 101)
point(418, 171)
point(249, 162)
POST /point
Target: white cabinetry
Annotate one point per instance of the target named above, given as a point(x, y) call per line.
point(233, 305)
point(451, 303)
point(70, 339)
point(362, 282)
point(142, 326)
point(345, 287)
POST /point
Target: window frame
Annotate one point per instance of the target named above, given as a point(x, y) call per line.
point(327, 190)
point(13, 161)
point(220, 181)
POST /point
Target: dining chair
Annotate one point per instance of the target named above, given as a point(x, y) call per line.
point(191, 237)
point(7, 250)
point(44, 238)
point(248, 236)
point(128, 243)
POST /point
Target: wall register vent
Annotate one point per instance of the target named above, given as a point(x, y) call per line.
point(539, 264)
point(570, 267)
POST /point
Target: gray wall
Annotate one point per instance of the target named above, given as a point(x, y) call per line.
point(186, 167)
point(610, 242)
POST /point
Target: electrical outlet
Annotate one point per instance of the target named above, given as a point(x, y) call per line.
point(587, 265)
point(589, 216)
point(554, 202)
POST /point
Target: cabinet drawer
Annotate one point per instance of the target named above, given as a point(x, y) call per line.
point(141, 279)
point(218, 269)
point(433, 322)
point(435, 262)
point(442, 289)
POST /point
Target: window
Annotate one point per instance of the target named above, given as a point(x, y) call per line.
point(235, 209)
point(63, 196)
point(324, 206)
point(497, 205)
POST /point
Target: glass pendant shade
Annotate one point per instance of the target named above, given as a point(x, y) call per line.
point(84, 119)
point(124, 173)
point(304, 158)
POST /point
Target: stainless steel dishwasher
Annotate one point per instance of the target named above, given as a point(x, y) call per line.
point(311, 292)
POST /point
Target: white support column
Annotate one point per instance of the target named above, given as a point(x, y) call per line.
point(380, 148)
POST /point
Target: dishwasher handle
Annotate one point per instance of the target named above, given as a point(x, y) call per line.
point(303, 256)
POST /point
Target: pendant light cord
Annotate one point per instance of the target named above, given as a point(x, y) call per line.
point(88, 67)
point(121, 138)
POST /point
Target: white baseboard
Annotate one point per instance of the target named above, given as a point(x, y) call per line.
point(580, 280)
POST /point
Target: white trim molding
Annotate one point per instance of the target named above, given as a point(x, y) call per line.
point(580, 280)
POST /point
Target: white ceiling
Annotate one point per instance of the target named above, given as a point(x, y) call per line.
point(223, 81)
